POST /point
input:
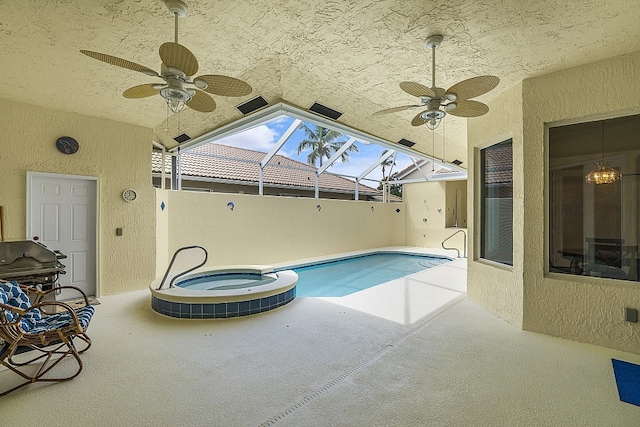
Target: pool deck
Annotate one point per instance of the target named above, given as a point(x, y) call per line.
point(381, 359)
point(419, 296)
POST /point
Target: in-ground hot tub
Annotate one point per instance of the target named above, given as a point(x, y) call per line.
point(224, 292)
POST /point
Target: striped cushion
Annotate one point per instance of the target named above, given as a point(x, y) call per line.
point(60, 320)
point(17, 298)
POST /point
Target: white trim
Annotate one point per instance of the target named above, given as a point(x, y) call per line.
point(381, 159)
point(337, 154)
point(283, 139)
point(32, 174)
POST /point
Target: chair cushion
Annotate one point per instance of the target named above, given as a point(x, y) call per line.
point(63, 319)
point(17, 298)
point(3, 300)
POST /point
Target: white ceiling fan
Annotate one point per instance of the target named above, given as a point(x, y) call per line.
point(178, 69)
point(439, 102)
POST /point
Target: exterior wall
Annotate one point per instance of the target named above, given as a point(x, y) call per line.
point(117, 153)
point(583, 309)
point(162, 233)
point(578, 308)
point(496, 287)
point(456, 190)
point(426, 213)
point(270, 230)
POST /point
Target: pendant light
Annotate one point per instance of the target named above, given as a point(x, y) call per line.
point(603, 172)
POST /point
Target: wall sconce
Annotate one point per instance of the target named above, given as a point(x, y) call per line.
point(230, 205)
point(319, 208)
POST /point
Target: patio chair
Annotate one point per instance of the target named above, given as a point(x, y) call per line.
point(38, 334)
point(611, 258)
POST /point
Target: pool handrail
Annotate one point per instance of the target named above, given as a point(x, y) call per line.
point(166, 274)
point(456, 249)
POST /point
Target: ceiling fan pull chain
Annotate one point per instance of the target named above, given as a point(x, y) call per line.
point(166, 127)
point(433, 151)
point(444, 139)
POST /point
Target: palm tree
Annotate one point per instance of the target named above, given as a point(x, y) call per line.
point(322, 143)
point(388, 162)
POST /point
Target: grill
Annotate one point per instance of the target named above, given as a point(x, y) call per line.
point(30, 263)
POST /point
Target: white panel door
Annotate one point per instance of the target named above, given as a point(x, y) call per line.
point(61, 214)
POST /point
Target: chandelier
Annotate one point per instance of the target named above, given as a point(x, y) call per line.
point(603, 173)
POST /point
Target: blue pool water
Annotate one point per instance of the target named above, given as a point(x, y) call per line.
point(224, 281)
point(346, 276)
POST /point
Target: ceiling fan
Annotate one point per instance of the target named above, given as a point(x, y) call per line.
point(438, 101)
point(178, 67)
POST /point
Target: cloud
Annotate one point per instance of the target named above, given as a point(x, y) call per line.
point(260, 138)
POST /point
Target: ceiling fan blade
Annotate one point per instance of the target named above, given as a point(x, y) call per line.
point(177, 56)
point(417, 120)
point(202, 102)
point(114, 60)
point(225, 85)
point(417, 89)
point(140, 91)
point(468, 108)
point(396, 109)
point(473, 87)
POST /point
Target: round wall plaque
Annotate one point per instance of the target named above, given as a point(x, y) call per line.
point(67, 145)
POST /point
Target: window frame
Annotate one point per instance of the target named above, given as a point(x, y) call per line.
point(481, 193)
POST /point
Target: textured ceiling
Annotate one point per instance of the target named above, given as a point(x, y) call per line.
point(348, 55)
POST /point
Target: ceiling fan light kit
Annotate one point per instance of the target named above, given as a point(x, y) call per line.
point(438, 102)
point(180, 89)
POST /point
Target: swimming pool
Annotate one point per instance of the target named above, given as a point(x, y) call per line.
point(340, 277)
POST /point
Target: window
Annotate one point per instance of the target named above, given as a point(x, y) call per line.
point(496, 199)
point(594, 228)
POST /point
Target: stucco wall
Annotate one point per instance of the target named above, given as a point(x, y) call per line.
point(495, 287)
point(118, 154)
point(271, 229)
point(426, 214)
point(576, 308)
point(579, 308)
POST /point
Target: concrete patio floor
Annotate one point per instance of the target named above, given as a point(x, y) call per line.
point(413, 352)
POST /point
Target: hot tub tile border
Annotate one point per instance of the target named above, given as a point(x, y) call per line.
point(221, 310)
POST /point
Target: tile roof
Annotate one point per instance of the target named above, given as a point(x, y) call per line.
point(499, 164)
point(216, 161)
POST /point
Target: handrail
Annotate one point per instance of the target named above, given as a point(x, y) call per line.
point(206, 255)
point(456, 249)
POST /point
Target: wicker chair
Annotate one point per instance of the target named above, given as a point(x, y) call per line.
point(36, 332)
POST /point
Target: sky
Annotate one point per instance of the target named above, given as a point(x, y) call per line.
point(265, 136)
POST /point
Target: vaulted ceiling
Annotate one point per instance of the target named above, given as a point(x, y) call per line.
point(349, 55)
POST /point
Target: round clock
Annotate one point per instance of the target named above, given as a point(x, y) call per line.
point(67, 145)
point(129, 195)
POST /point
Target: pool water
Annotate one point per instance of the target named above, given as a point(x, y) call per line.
point(224, 281)
point(346, 276)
